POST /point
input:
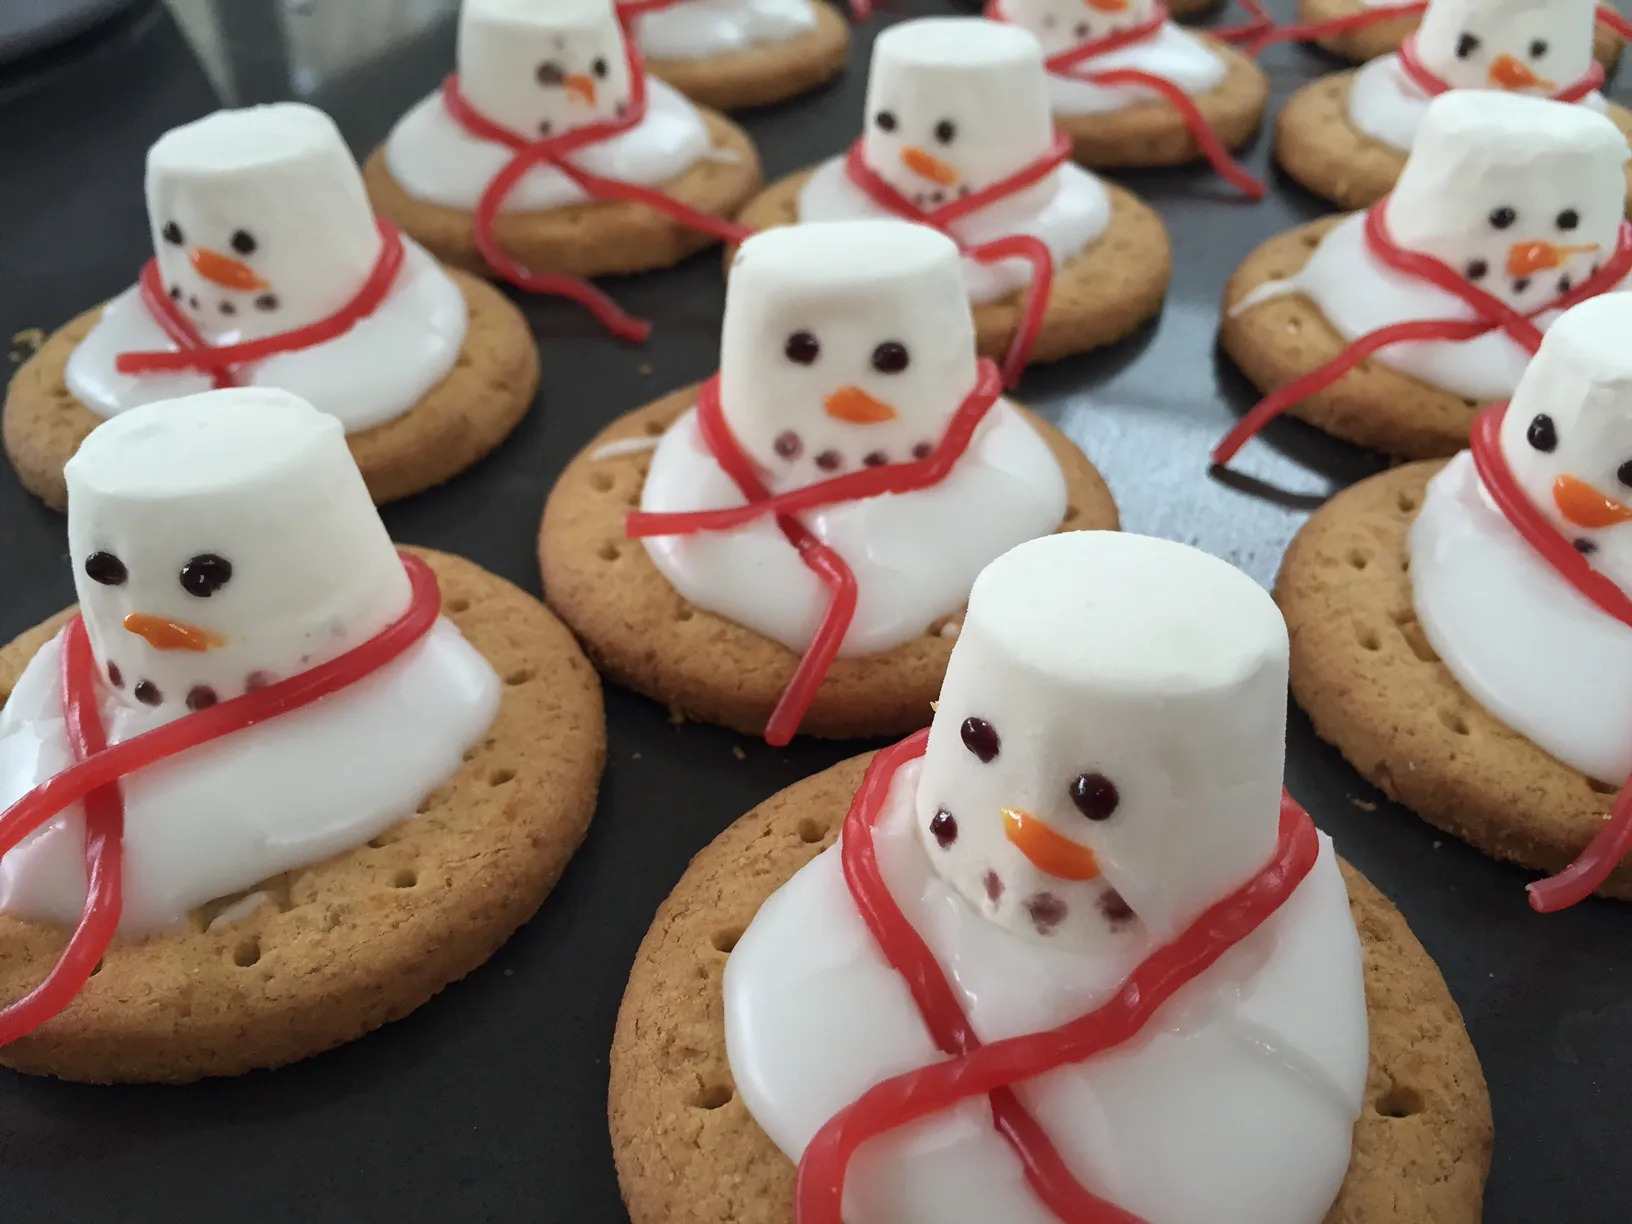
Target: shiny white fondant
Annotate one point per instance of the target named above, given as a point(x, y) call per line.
point(698, 29)
point(1460, 41)
point(1172, 53)
point(371, 374)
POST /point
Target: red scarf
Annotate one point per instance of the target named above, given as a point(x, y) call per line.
point(973, 1068)
point(1433, 84)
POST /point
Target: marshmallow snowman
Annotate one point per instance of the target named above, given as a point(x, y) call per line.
point(1523, 196)
point(1060, 25)
point(543, 69)
point(221, 542)
point(845, 345)
point(260, 221)
point(1527, 46)
point(954, 105)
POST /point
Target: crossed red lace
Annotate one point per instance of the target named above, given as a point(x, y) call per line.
point(1367, 17)
point(973, 1068)
point(1070, 63)
point(196, 353)
point(97, 770)
point(1432, 84)
point(1490, 311)
point(821, 560)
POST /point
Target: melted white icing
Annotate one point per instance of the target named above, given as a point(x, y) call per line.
point(1235, 1105)
point(1068, 220)
point(1172, 53)
point(698, 29)
point(436, 160)
point(1523, 642)
point(915, 555)
point(373, 373)
point(215, 821)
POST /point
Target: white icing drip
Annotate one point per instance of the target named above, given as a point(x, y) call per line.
point(1234, 1106)
point(625, 446)
point(1172, 53)
point(436, 160)
point(700, 29)
point(238, 911)
point(1523, 642)
point(373, 373)
point(219, 819)
point(1068, 220)
point(915, 555)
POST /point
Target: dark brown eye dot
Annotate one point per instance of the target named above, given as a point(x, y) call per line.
point(551, 73)
point(1542, 434)
point(890, 357)
point(885, 120)
point(106, 568)
point(205, 574)
point(1466, 46)
point(599, 68)
point(1503, 217)
point(1568, 219)
point(1095, 796)
point(171, 233)
point(945, 130)
point(148, 693)
point(115, 676)
point(802, 347)
point(1624, 473)
point(980, 737)
point(243, 242)
point(788, 445)
point(200, 697)
point(943, 827)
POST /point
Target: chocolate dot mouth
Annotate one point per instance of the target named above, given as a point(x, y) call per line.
point(1116, 911)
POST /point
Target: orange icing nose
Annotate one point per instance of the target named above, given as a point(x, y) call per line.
point(1108, 6)
point(1585, 506)
point(1524, 258)
point(1047, 850)
point(1510, 72)
point(224, 270)
point(854, 405)
point(927, 165)
point(581, 85)
point(164, 634)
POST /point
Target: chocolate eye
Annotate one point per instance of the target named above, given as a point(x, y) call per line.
point(1503, 217)
point(1568, 219)
point(1624, 473)
point(550, 72)
point(1538, 48)
point(599, 68)
point(1542, 434)
point(172, 233)
point(1095, 796)
point(890, 357)
point(802, 347)
point(1466, 46)
point(980, 737)
point(885, 121)
point(205, 574)
point(243, 242)
point(106, 568)
point(945, 130)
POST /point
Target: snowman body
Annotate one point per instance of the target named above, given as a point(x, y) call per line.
point(700, 29)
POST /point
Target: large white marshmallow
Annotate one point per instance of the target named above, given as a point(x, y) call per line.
point(1524, 196)
point(1060, 25)
point(260, 221)
point(1531, 46)
point(543, 68)
point(827, 318)
point(253, 486)
point(1153, 671)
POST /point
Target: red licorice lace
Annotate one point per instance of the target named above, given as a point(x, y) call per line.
point(1433, 84)
point(1367, 17)
point(821, 560)
point(94, 777)
point(1491, 313)
point(1613, 841)
point(196, 353)
point(973, 1068)
point(1070, 63)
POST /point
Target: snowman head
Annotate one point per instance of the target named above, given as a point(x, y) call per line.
point(1567, 435)
point(1528, 46)
point(1523, 196)
point(1106, 756)
point(259, 218)
point(1062, 24)
point(221, 542)
point(543, 67)
point(956, 104)
point(846, 344)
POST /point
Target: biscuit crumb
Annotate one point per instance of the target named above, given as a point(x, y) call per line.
point(736, 751)
point(26, 343)
point(1365, 805)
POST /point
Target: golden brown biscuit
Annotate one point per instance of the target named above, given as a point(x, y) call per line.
point(643, 635)
point(455, 424)
point(1287, 337)
point(1191, 8)
point(764, 74)
point(593, 239)
point(689, 1152)
point(1100, 297)
point(1386, 36)
point(367, 936)
point(1373, 686)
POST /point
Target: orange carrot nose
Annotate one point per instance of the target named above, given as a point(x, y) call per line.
point(224, 270)
point(1585, 506)
point(1109, 6)
point(927, 165)
point(854, 405)
point(1047, 850)
point(1525, 258)
point(162, 633)
point(582, 86)
point(1510, 72)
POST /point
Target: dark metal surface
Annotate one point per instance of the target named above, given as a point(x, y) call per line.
point(489, 1103)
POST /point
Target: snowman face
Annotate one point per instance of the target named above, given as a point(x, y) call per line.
point(845, 345)
point(1527, 46)
point(1060, 25)
point(954, 105)
point(544, 69)
point(259, 219)
point(222, 542)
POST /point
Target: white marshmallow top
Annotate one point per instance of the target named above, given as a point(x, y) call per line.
point(1060, 25)
point(1533, 46)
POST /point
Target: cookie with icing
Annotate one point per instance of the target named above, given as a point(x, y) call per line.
point(1372, 36)
point(1390, 328)
point(959, 135)
point(1104, 766)
point(270, 270)
point(848, 378)
point(333, 778)
point(731, 54)
point(1456, 666)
